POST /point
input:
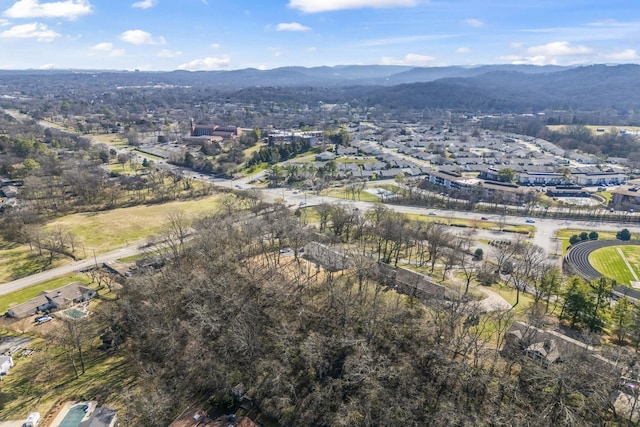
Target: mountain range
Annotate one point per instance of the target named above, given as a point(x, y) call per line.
point(514, 88)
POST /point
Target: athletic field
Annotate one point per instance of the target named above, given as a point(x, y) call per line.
point(621, 263)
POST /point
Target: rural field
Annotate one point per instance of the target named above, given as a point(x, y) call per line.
point(594, 128)
point(104, 231)
point(610, 262)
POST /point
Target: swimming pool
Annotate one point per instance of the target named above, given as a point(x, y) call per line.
point(73, 417)
point(74, 313)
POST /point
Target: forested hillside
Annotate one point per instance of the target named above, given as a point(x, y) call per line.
point(502, 89)
point(302, 346)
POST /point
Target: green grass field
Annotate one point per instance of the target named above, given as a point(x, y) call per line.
point(104, 231)
point(610, 264)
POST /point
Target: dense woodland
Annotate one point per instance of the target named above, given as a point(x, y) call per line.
point(232, 321)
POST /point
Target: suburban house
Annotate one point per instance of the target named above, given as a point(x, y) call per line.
point(102, 416)
point(546, 351)
point(9, 191)
point(6, 363)
point(60, 298)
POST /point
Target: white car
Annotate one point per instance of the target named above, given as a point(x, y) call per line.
point(43, 319)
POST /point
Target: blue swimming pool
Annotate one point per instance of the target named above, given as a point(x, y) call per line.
point(74, 416)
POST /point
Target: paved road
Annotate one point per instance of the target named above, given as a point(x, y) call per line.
point(546, 228)
point(544, 237)
point(34, 279)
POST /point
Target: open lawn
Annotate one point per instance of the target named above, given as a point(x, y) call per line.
point(509, 294)
point(103, 231)
point(110, 139)
point(594, 128)
point(472, 223)
point(610, 263)
point(17, 261)
point(344, 193)
point(125, 169)
point(248, 152)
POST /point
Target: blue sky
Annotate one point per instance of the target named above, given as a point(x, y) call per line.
point(233, 34)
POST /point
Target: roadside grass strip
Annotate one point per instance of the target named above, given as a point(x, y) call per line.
point(617, 262)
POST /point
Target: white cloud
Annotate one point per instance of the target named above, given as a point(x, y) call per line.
point(275, 51)
point(410, 59)
point(166, 53)
point(4, 22)
point(106, 48)
point(291, 26)
point(314, 6)
point(515, 45)
point(46, 67)
point(463, 50)
point(627, 55)
point(214, 45)
point(554, 53)
point(34, 30)
point(141, 37)
point(475, 23)
point(145, 4)
point(312, 49)
point(69, 9)
point(205, 64)
point(102, 47)
point(558, 49)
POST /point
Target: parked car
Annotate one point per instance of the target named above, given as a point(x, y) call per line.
point(484, 218)
point(530, 221)
point(43, 319)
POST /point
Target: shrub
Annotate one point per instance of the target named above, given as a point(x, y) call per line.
point(623, 234)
